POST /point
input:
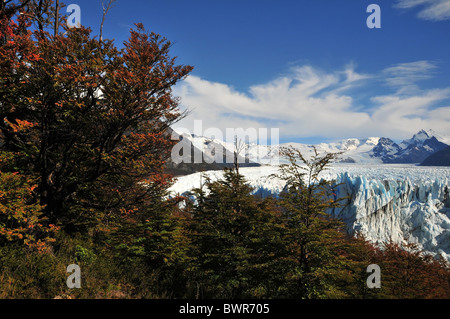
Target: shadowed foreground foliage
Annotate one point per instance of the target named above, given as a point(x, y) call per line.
point(227, 243)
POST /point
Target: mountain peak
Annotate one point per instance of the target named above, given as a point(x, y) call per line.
point(422, 135)
point(418, 139)
point(359, 150)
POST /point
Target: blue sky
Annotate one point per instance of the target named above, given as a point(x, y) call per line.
point(311, 68)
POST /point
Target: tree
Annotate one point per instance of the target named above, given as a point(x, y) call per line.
point(21, 220)
point(236, 241)
point(152, 245)
point(8, 7)
point(99, 117)
point(409, 273)
point(316, 240)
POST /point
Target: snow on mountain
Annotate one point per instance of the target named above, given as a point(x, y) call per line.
point(197, 153)
point(386, 149)
point(419, 147)
point(373, 150)
point(440, 137)
point(420, 137)
point(417, 139)
point(353, 150)
point(383, 150)
point(396, 202)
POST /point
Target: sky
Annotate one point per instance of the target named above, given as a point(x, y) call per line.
point(313, 69)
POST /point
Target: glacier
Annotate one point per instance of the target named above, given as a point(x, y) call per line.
point(397, 210)
point(399, 202)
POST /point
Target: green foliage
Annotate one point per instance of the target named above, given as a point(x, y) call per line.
point(315, 240)
point(153, 246)
point(236, 239)
point(84, 255)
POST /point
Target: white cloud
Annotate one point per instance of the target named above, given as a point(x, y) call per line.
point(434, 10)
point(310, 102)
point(404, 76)
point(400, 116)
point(304, 103)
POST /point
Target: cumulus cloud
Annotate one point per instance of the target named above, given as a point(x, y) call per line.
point(402, 115)
point(434, 10)
point(309, 102)
point(304, 103)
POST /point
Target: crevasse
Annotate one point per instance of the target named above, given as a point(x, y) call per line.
point(397, 210)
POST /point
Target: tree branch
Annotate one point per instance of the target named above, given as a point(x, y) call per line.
point(105, 12)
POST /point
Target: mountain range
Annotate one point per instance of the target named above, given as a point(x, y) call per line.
point(415, 150)
point(371, 150)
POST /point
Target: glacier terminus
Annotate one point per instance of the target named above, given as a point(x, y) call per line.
point(404, 203)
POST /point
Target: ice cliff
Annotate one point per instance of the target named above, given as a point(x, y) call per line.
point(397, 210)
point(403, 203)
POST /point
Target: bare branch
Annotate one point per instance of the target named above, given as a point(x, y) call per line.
point(56, 18)
point(239, 146)
point(105, 12)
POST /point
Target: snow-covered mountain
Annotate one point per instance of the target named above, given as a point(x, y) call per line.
point(419, 147)
point(197, 153)
point(374, 150)
point(386, 150)
point(399, 202)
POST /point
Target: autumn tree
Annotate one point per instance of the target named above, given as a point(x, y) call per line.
point(83, 143)
point(99, 116)
point(21, 219)
point(410, 273)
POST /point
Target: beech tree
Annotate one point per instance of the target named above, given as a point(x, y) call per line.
point(21, 220)
point(97, 116)
point(236, 241)
point(316, 241)
point(410, 273)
